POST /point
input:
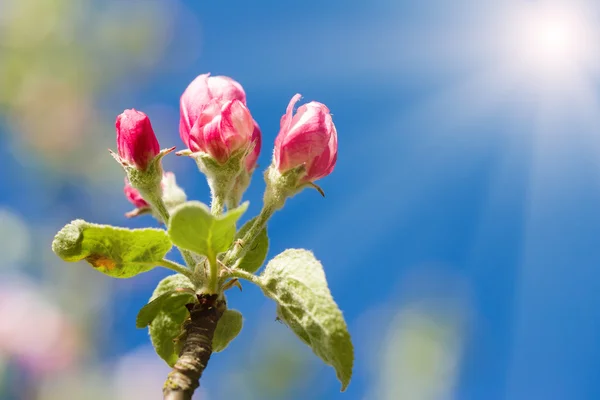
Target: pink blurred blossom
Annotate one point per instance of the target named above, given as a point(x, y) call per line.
point(34, 332)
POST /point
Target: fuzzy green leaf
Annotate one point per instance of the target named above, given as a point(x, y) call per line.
point(171, 283)
point(173, 300)
point(117, 252)
point(165, 331)
point(228, 327)
point(167, 325)
point(296, 281)
point(256, 255)
point(194, 228)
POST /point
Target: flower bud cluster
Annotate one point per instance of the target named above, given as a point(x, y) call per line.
point(220, 133)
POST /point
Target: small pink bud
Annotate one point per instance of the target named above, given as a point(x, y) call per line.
point(134, 196)
point(172, 195)
point(136, 141)
point(202, 91)
point(307, 138)
point(221, 129)
point(256, 141)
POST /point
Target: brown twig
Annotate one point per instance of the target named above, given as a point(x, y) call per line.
point(199, 330)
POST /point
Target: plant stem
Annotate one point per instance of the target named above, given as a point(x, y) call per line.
point(259, 223)
point(159, 206)
point(217, 203)
point(213, 279)
point(184, 379)
point(238, 273)
point(176, 267)
point(188, 257)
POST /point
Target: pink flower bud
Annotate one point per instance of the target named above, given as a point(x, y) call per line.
point(307, 138)
point(221, 129)
point(202, 91)
point(134, 196)
point(136, 141)
point(256, 141)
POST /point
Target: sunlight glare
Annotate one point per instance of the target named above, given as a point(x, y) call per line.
point(553, 42)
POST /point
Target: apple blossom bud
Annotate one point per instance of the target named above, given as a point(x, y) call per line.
point(202, 91)
point(242, 181)
point(222, 129)
point(307, 139)
point(252, 157)
point(136, 142)
point(134, 196)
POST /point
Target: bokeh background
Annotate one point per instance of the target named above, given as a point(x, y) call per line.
point(461, 228)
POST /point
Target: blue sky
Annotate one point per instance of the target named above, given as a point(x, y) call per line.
point(468, 174)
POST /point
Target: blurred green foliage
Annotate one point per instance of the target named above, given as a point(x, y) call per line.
point(57, 57)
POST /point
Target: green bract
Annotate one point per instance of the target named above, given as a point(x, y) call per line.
point(194, 228)
point(296, 281)
point(166, 325)
point(256, 254)
point(117, 252)
point(228, 327)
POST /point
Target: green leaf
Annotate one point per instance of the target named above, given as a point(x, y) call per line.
point(166, 302)
point(256, 255)
point(228, 327)
point(167, 325)
point(171, 283)
point(194, 228)
point(117, 252)
point(164, 333)
point(296, 281)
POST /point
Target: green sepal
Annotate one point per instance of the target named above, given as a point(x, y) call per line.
point(224, 172)
point(221, 178)
point(193, 227)
point(229, 326)
point(149, 179)
point(117, 252)
point(281, 186)
point(296, 281)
